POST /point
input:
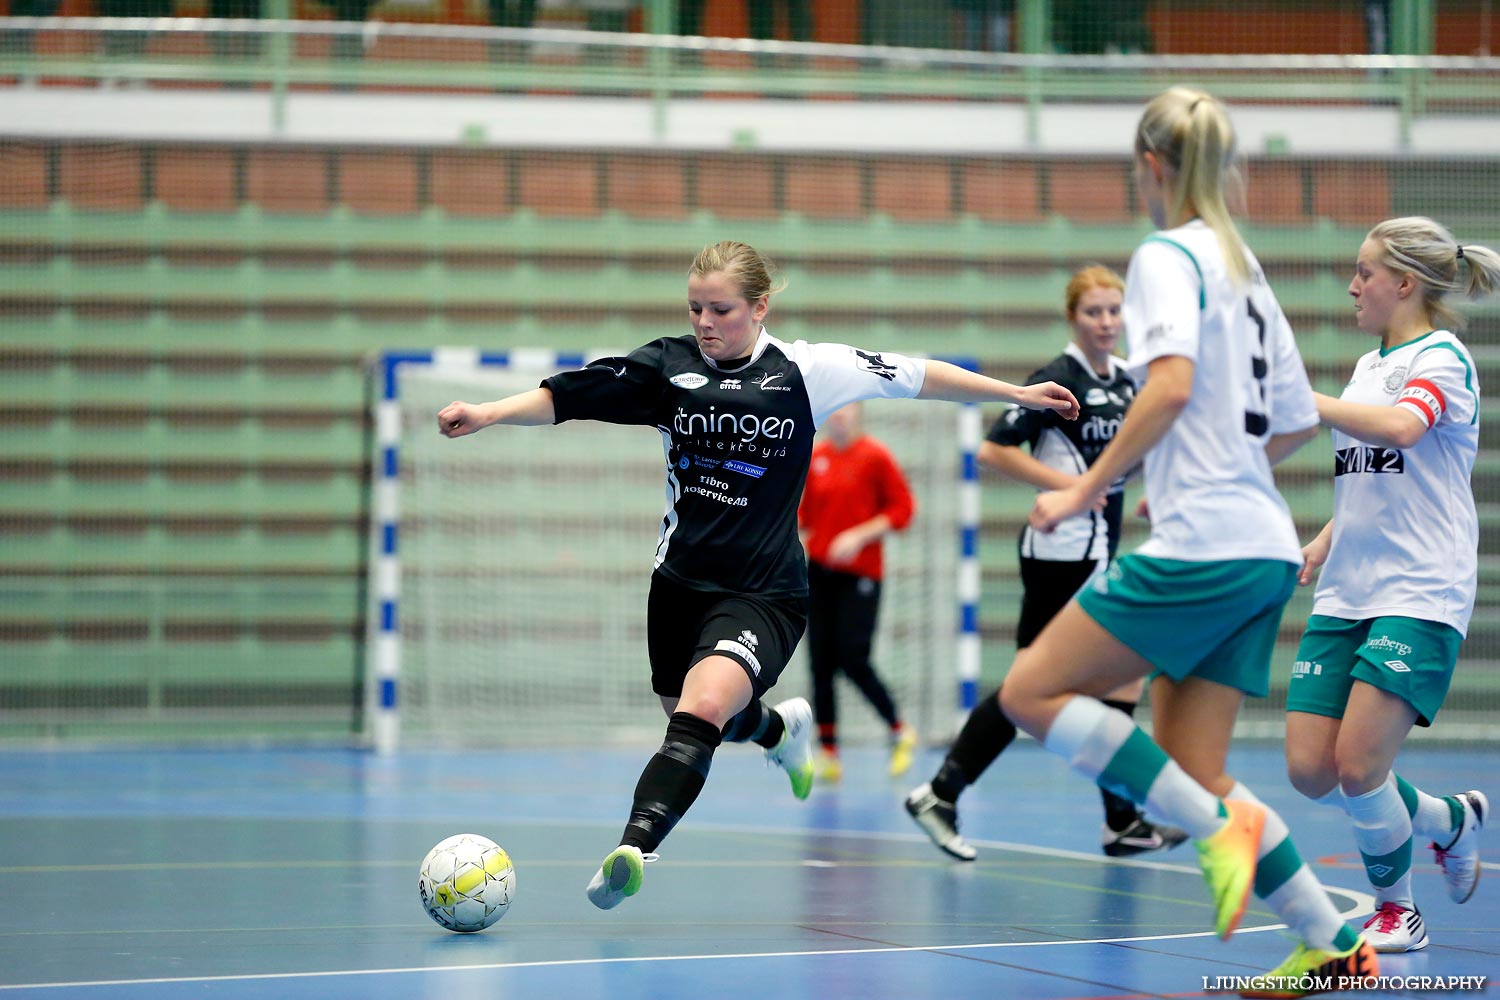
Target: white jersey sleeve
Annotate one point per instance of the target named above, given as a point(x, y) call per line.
point(1439, 385)
point(1293, 407)
point(1163, 305)
point(837, 374)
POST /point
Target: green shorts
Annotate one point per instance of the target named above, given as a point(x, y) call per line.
point(1408, 657)
point(1214, 620)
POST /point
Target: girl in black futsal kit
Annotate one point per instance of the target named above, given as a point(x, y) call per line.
point(737, 410)
point(1054, 566)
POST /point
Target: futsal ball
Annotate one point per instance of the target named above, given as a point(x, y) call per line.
point(466, 882)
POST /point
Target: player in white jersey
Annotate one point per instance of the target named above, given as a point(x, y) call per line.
point(1197, 606)
point(1399, 570)
point(737, 410)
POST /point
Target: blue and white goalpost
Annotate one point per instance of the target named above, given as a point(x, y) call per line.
point(508, 570)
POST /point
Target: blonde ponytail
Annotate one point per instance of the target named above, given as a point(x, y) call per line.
point(1189, 133)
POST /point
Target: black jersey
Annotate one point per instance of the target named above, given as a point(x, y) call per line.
point(738, 443)
point(1072, 446)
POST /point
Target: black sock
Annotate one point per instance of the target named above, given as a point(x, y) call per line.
point(1119, 812)
point(671, 781)
point(985, 734)
point(755, 724)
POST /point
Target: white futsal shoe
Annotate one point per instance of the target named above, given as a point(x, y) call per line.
point(1460, 859)
point(1394, 928)
point(794, 753)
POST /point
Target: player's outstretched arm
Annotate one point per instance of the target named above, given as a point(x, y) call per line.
point(526, 409)
point(959, 385)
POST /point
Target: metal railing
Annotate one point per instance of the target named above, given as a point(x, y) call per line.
point(284, 55)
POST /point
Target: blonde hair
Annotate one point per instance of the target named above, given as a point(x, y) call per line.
point(1188, 131)
point(1092, 276)
point(1425, 250)
point(741, 263)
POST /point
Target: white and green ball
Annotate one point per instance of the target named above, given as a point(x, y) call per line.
point(466, 882)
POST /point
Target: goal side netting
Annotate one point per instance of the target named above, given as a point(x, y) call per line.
point(509, 570)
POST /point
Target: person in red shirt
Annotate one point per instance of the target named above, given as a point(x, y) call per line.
point(855, 495)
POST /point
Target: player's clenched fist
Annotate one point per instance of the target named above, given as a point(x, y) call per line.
point(459, 418)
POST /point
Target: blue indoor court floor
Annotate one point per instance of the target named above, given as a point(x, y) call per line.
point(292, 874)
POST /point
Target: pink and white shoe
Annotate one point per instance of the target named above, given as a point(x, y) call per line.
point(1396, 928)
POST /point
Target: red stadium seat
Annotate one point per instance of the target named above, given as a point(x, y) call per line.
point(828, 189)
point(23, 175)
point(102, 176)
point(471, 183)
point(288, 180)
point(559, 183)
point(648, 186)
point(189, 179)
point(1001, 191)
point(914, 190)
point(378, 182)
point(1091, 192)
point(737, 186)
point(1358, 193)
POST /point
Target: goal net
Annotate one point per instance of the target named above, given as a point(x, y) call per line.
point(510, 569)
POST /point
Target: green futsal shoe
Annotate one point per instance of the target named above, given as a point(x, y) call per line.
point(1228, 862)
point(619, 876)
point(1311, 970)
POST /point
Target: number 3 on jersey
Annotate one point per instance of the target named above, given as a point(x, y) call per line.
point(1256, 421)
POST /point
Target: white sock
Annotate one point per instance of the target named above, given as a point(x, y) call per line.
point(1300, 901)
point(1094, 738)
point(1383, 833)
point(1433, 820)
point(1334, 797)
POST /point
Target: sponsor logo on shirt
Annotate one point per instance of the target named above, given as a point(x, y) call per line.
point(689, 380)
point(730, 383)
point(745, 468)
point(1099, 429)
point(1398, 666)
point(1095, 397)
point(1366, 458)
point(875, 365)
point(748, 638)
point(749, 427)
point(765, 382)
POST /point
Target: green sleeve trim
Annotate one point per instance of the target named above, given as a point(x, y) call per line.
point(1202, 286)
point(1468, 373)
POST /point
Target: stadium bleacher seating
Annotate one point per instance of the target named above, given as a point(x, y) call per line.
point(183, 330)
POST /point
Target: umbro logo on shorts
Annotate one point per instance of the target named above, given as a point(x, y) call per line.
point(1398, 666)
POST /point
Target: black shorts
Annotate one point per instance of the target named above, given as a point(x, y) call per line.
point(1047, 587)
point(684, 626)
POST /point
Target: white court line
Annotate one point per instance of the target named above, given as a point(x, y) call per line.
point(1362, 903)
point(618, 961)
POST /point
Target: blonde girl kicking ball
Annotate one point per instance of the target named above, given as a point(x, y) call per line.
point(737, 410)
